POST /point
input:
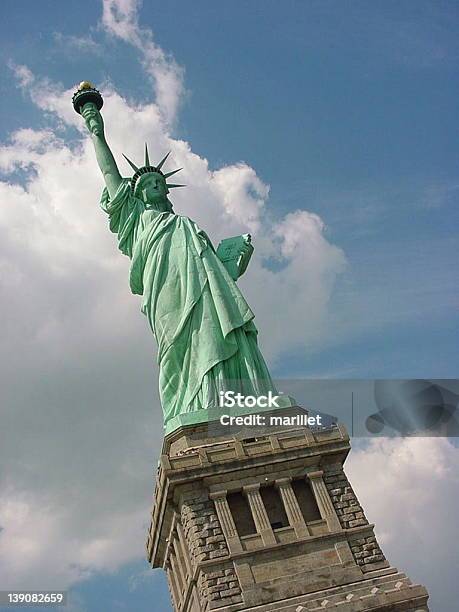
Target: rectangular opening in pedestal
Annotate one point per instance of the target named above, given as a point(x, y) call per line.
point(274, 507)
point(241, 513)
point(306, 500)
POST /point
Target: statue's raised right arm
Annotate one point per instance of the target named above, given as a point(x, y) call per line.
point(105, 159)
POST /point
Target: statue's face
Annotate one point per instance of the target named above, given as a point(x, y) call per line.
point(151, 188)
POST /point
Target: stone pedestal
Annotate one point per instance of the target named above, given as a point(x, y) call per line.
point(268, 522)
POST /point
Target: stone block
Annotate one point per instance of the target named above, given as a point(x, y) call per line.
point(357, 523)
point(217, 554)
point(214, 539)
point(229, 592)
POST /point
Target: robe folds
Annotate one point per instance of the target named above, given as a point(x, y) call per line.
point(207, 341)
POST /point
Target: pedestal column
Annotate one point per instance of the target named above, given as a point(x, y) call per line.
point(173, 584)
point(178, 554)
point(226, 521)
point(292, 508)
point(176, 574)
point(182, 541)
point(324, 503)
point(259, 513)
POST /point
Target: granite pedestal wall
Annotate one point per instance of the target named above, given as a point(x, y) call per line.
point(268, 522)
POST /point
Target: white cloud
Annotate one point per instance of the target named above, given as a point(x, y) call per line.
point(120, 18)
point(410, 489)
point(76, 45)
point(43, 548)
point(242, 194)
point(23, 74)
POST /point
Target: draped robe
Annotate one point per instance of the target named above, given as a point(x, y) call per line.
point(207, 341)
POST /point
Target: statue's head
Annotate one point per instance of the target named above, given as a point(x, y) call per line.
point(151, 188)
point(149, 182)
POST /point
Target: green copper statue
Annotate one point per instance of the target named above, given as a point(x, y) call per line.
point(203, 326)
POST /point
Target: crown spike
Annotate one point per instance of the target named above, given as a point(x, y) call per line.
point(133, 166)
point(158, 167)
point(168, 174)
point(172, 186)
point(147, 159)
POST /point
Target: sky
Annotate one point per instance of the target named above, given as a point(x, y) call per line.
point(327, 130)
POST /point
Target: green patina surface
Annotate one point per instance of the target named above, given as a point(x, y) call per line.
point(207, 340)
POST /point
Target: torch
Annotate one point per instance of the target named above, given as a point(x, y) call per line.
point(85, 93)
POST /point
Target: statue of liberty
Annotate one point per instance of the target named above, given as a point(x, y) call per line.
point(207, 340)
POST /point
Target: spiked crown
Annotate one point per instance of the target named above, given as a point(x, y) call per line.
point(146, 168)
